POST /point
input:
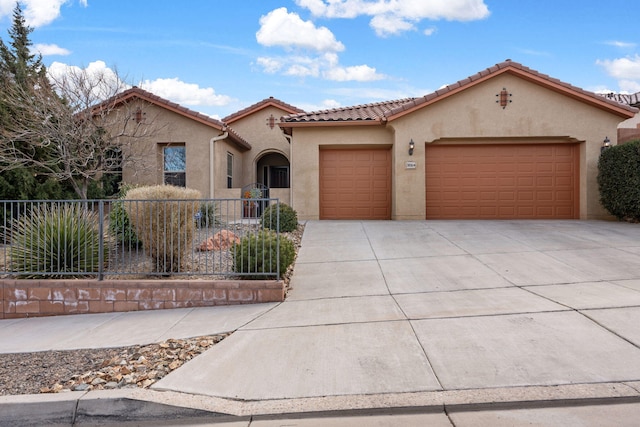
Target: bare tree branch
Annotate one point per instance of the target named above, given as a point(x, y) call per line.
point(72, 128)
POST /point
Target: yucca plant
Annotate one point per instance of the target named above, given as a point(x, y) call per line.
point(258, 254)
point(162, 217)
point(56, 241)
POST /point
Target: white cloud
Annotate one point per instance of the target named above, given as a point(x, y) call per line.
point(629, 86)
point(269, 65)
point(622, 68)
point(360, 73)
point(326, 104)
point(388, 25)
point(392, 17)
point(625, 70)
point(87, 86)
point(316, 50)
point(288, 30)
point(326, 66)
point(429, 31)
point(37, 13)
point(184, 93)
point(621, 44)
point(50, 49)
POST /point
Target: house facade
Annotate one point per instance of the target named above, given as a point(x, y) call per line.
point(217, 158)
point(506, 143)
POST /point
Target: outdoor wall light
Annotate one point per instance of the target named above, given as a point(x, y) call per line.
point(412, 145)
point(606, 144)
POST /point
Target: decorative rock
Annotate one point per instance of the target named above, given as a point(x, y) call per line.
point(137, 366)
point(222, 240)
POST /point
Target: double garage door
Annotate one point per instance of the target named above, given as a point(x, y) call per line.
point(538, 181)
point(501, 181)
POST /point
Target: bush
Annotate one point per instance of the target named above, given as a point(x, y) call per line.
point(119, 223)
point(619, 180)
point(58, 238)
point(162, 217)
point(257, 253)
point(288, 218)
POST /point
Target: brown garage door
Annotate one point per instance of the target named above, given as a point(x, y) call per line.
point(355, 184)
point(502, 181)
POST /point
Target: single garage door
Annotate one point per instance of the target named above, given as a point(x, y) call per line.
point(355, 184)
point(537, 181)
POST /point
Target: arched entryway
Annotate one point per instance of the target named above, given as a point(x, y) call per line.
point(273, 171)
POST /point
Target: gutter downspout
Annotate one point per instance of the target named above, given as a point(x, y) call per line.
point(290, 138)
point(212, 158)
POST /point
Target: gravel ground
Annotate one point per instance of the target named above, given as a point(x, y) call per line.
point(109, 368)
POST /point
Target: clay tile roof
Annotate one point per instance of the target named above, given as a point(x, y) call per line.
point(271, 101)
point(521, 70)
point(385, 111)
point(136, 92)
point(359, 113)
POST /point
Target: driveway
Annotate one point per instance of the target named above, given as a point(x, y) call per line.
point(408, 312)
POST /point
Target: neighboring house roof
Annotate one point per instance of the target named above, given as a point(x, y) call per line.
point(388, 111)
point(137, 93)
point(269, 102)
point(632, 99)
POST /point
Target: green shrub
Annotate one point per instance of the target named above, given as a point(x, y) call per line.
point(162, 217)
point(619, 180)
point(257, 253)
point(56, 238)
point(288, 218)
point(208, 215)
point(119, 224)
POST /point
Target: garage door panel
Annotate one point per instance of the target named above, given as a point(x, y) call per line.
point(355, 184)
point(518, 181)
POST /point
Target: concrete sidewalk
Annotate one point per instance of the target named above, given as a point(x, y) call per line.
point(471, 316)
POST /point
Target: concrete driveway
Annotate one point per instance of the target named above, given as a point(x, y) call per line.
point(415, 312)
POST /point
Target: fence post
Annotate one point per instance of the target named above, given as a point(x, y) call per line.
point(101, 240)
point(278, 239)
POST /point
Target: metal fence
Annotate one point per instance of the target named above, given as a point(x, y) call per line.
point(139, 238)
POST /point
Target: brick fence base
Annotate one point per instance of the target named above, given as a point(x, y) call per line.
point(31, 298)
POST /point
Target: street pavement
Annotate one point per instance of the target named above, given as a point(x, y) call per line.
point(456, 323)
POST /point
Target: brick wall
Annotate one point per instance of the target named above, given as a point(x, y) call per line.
point(30, 298)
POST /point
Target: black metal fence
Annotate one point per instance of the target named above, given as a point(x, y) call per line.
point(137, 238)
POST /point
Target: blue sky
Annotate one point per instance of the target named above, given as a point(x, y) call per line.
point(219, 56)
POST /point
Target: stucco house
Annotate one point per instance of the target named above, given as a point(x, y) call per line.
point(218, 158)
point(506, 143)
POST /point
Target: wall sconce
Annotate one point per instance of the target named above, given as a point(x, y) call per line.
point(606, 144)
point(412, 145)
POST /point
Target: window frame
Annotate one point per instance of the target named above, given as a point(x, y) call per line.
point(230, 161)
point(176, 177)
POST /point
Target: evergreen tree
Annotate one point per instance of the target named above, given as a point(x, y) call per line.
point(20, 68)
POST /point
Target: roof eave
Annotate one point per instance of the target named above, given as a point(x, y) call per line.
point(330, 123)
point(552, 84)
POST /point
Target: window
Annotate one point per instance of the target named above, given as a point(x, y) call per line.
point(229, 170)
point(175, 165)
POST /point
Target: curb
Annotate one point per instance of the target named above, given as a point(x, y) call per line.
point(142, 405)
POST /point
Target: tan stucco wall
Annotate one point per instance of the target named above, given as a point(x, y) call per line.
point(262, 138)
point(171, 128)
point(471, 114)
